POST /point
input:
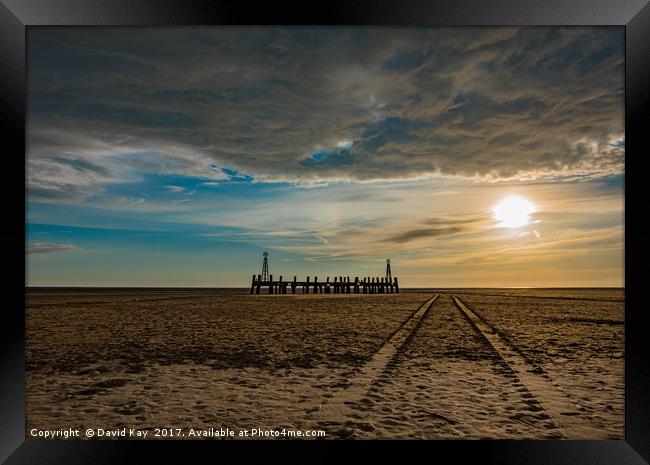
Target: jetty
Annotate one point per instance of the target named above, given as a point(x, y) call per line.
point(338, 285)
point(265, 284)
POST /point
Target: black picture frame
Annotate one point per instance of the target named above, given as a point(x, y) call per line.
point(17, 15)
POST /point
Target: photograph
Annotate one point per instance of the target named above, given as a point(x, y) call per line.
point(325, 232)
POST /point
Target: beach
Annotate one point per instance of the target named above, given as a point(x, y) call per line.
point(422, 364)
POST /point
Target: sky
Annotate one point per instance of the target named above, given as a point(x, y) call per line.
point(471, 157)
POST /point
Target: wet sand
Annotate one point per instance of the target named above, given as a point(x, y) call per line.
point(354, 366)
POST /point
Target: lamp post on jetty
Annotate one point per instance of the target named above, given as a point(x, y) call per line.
point(265, 267)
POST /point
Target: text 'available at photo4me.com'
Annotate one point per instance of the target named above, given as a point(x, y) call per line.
point(174, 433)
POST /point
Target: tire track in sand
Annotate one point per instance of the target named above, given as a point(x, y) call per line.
point(337, 409)
point(563, 411)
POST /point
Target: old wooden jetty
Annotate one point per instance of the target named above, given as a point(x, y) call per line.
point(338, 285)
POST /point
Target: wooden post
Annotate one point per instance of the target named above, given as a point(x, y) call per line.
point(270, 284)
point(356, 284)
point(315, 284)
point(253, 284)
point(293, 285)
point(259, 284)
point(279, 288)
point(396, 286)
point(305, 287)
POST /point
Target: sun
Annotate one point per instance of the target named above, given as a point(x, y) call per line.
point(513, 212)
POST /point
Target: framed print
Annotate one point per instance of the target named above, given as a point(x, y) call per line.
point(397, 226)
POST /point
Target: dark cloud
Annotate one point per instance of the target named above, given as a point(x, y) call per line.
point(456, 221)
point(394, 129)
point(336, 157)
point(424, 233)
point(82, 165)
point(487, 103)
point(405, 61)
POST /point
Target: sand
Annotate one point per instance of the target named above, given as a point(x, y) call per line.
point(579, 346)
point(353, 366)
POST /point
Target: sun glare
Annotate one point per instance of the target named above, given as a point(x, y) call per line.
point(513, 212)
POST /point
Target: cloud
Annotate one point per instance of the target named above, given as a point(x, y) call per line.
point(455, 221)
point(49, 247)
point(406, 60)
point(528, 250)
point(424, 233)
point(334, 157)
point(174, 189)
point(437, 227)
point(485, 104)
point(83, 166)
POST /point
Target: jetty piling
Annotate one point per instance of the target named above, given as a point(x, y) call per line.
point(337, 285)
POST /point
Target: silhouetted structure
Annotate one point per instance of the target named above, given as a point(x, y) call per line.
point(265, 266)
point(338, 285)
